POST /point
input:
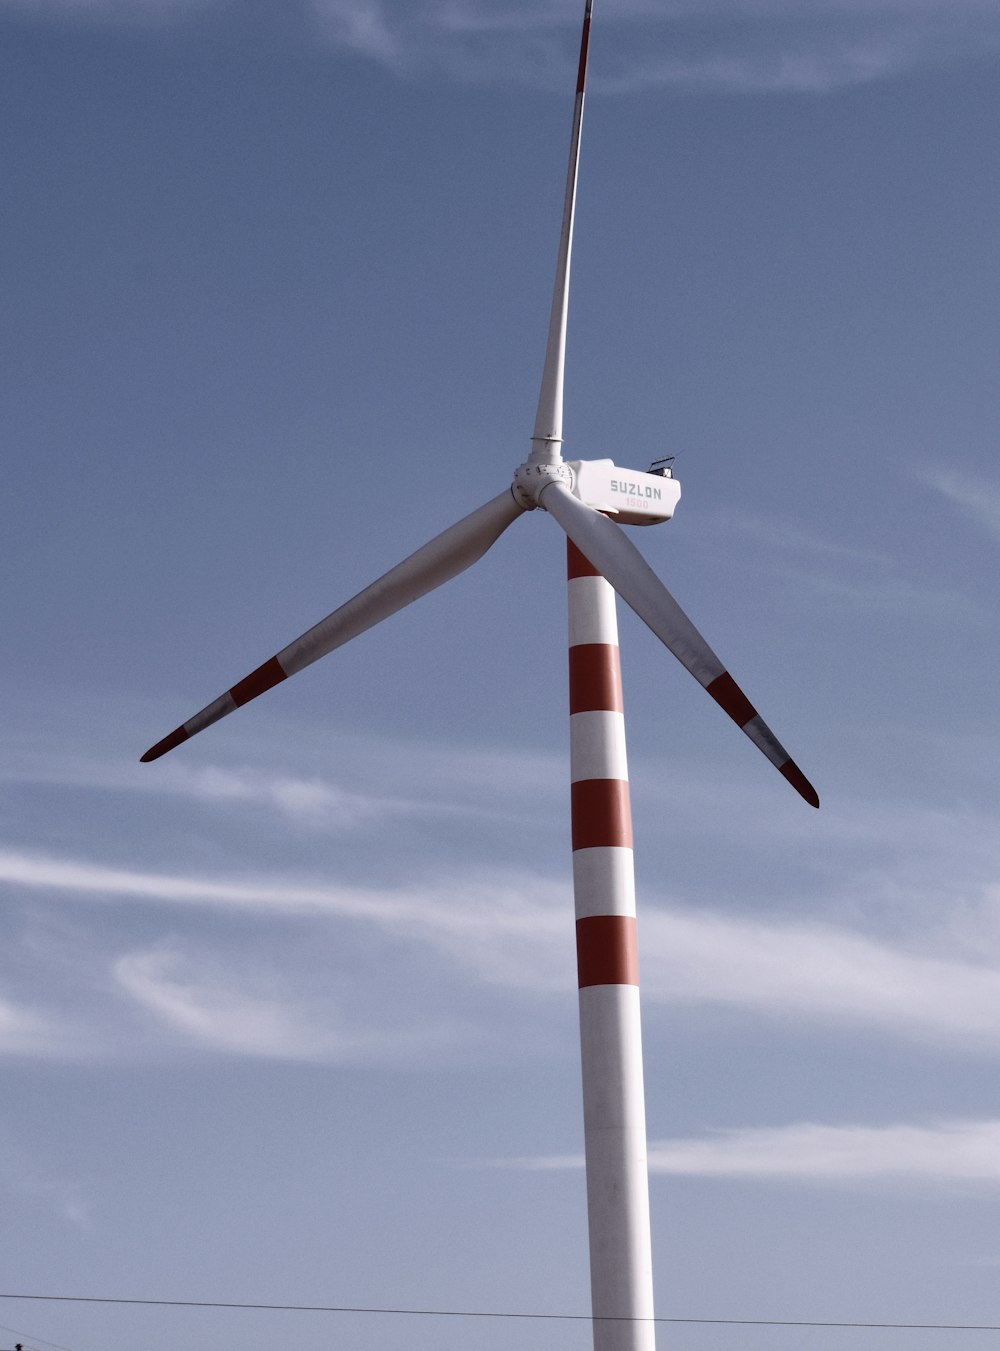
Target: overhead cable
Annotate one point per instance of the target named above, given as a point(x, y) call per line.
point(506, 1313)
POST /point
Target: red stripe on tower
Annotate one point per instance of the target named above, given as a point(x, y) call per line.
point(578, 565)
point(595, 678)
point(606, 951)
point(602, 814)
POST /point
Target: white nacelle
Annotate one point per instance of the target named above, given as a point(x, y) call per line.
point(631, 496)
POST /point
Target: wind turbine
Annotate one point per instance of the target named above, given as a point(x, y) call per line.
point(590, 500)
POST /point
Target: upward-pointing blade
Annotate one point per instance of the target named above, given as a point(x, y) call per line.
point(546, 440)
point(614, 555)
point(444, 557)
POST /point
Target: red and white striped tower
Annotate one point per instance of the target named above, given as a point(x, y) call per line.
point(614, 1114)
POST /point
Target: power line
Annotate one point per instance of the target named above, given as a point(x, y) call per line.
point(489, 1313)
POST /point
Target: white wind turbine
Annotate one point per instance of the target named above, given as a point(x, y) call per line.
point(582, 497)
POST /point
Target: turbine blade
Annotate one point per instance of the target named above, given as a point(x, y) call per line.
point(613, 554)
point(442, 558)
point(546, 439)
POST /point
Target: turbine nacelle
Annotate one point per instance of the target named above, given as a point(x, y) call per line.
point(631, 496)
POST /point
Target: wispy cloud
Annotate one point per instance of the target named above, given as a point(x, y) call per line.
point(823, 971)
point(200, 1005)
point(22, 1176)
point(725, 45)
point(932, 985)
point(116, 11)
point(253, 1013)
point(849, 578)
point(31, 1032)
point(429, 781)
point(311, 801)
point(974, 494)
point(953, 1152)
point(366, 30)
point(779, 536)
point(510, 930)
point(773, 45)
point(888, 595)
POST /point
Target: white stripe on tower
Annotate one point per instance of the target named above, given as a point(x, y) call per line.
point(614, 1116)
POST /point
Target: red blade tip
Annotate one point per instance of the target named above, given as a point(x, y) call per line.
point(167, 744)
point(799, 782)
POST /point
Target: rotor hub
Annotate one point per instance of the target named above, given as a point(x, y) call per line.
point(532, 477)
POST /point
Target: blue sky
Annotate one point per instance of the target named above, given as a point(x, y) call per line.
point(289, 1016)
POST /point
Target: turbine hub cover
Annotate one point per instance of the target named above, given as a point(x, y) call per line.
point(532, 477)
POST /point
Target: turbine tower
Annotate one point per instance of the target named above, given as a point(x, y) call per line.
point(590, 500)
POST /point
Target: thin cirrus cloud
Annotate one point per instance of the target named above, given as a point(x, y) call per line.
point(949, 1153)
point(512, 933)
point(975, 495)
point(894, 595)
point(129, 12)
point(313, 800)
point(26, 1032)
point(781, 537)
point(822, 568)
point(826, 972)
point(772, 45)
point(22, 1176)
point(202, 1007)
point(430, 781)
point(204, 1004)
point(939, 987)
